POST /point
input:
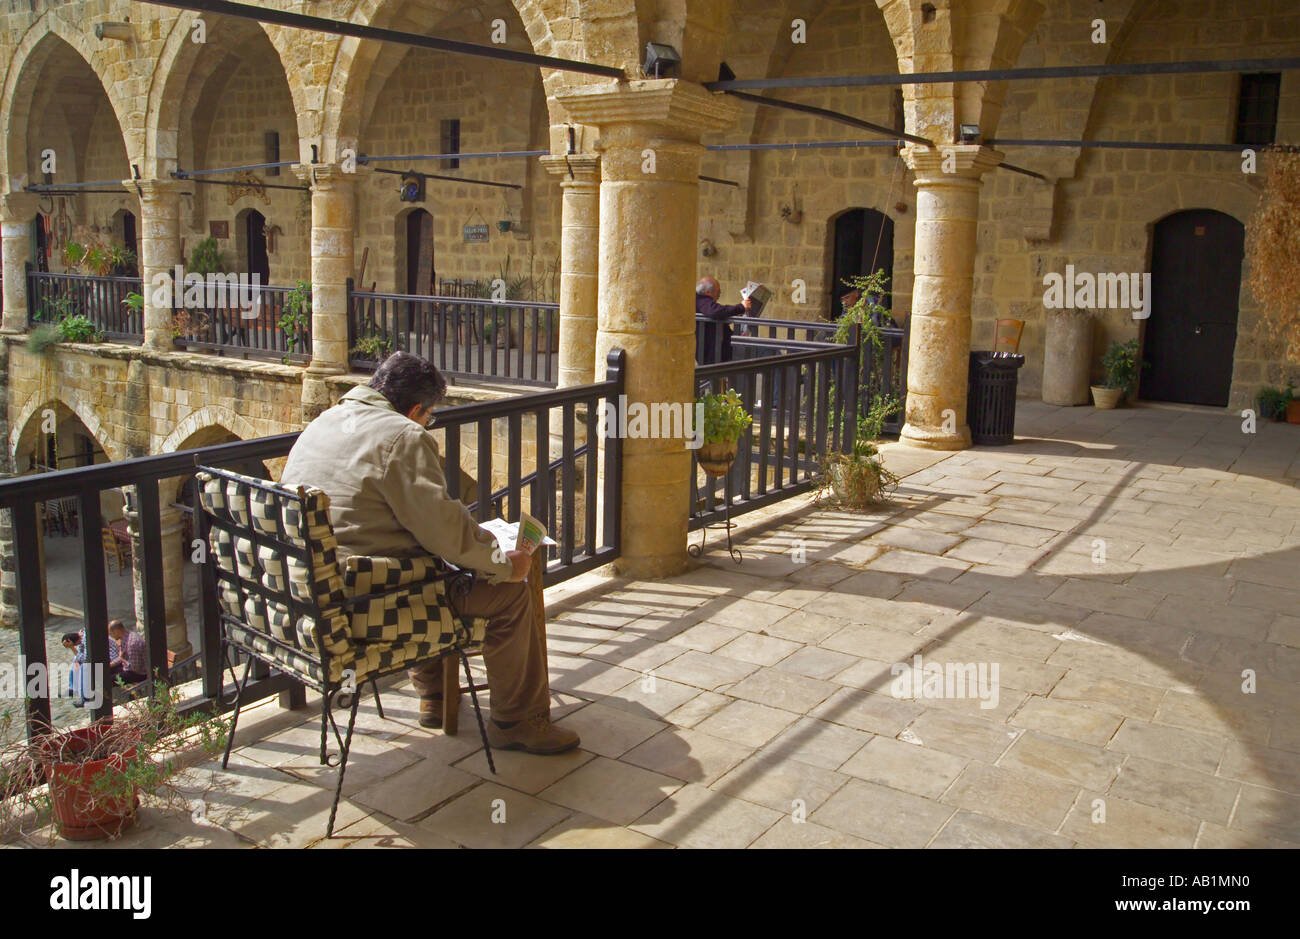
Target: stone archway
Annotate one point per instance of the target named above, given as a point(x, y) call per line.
point(25, 426)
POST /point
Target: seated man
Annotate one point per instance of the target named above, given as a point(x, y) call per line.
point(372, 456)
point(127, 656)
point(715, 347)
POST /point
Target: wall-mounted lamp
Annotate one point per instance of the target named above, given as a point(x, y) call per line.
point(791, 214)
point(707, 248)
point(661, 61)
point(114, 31)
point(970, 133)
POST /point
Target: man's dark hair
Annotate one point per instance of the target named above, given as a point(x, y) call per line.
point(72, 637)
point(407, 380)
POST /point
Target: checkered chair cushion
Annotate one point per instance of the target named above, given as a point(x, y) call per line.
point(374, 614)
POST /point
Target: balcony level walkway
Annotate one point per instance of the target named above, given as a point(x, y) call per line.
point(717, 706)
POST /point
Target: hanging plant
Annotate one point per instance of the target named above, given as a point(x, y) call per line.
point(296, 318)
point(1273, 250)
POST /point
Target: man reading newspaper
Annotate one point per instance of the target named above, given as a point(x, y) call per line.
point(373, 457)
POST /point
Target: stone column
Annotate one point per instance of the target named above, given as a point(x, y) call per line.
point(17, 209)
point(947, 210)
point(160, 252)
point(650, 152)
point(579, 175)
point(333, 218)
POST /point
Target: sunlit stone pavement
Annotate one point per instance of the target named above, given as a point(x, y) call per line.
point(1133, 575)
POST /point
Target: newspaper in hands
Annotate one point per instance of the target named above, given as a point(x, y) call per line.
point(531, 533)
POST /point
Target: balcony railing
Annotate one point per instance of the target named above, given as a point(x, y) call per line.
point(553, 420)
point(882, 373)
point(51, 297)
point(466, 337)
point(804, 405)
point(227, 324)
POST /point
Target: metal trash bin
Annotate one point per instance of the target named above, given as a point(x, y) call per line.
point(991, 397)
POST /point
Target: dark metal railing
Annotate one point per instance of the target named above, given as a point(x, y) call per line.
point(882, 373)
point(804, 405)
point(581, 478)
point(51, 297)
point(466, 337)
point(242, 320)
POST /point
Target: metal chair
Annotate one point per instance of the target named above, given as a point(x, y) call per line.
point(284, 600)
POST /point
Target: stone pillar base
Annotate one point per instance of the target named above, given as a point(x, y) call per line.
point(315, 395)
point(926, 438)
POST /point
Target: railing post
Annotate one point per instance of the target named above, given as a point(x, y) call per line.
point(612, 491)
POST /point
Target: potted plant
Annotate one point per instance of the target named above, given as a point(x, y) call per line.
point(1273, 402)
point(191, 325)
point(296, 318)
point(79, 328)
point(374, 346)
point(206, 258)
point(858, 478)
point(89, 782)
point(724, 421)
point(1121, 366)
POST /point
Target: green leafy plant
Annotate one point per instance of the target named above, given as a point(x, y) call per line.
point(146, 743)
point(375, 346)
point(42, 339)
point(54, 309)
point(296, 318)
point(189, 324)
point(1273, 401)
point(79, 328)
point(134, 302)
point(1121, 365)
point(206, 258)
point(858, 478)
point(725, 419)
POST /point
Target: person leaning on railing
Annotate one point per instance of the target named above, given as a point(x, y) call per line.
point(716, 348)
point(372, 455)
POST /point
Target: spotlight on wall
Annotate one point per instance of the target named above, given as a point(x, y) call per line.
point(113, 31)
point(661, 60)
point(970, 133)
point(725, 74)
point(412, 189)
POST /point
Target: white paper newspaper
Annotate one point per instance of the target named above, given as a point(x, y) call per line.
point(523, 535)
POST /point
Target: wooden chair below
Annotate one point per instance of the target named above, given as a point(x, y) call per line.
point(115, 550)
point(1013, 341)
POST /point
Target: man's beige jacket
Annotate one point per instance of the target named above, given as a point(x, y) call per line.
point(387, 491)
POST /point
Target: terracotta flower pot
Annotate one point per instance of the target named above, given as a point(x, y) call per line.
point(716, 458)
point(1293, 411)
point(1107, 399)
point(80, 815)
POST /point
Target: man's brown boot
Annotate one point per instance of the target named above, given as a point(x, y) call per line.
point(534, 735)
point(431, 712)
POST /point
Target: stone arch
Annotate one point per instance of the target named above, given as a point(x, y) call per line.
point(178, 62)
point(41, 40)
point(202, 419)
point(23, 428)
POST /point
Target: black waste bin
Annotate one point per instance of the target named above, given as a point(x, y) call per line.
point(991, 397)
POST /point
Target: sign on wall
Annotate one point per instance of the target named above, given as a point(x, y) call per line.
point(219, 229)
point(476, 232)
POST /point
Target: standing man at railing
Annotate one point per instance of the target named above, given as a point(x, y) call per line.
point(715, 344)
point(372, 455)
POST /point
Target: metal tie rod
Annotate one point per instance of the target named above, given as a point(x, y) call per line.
point(363, 158)
point(50, 187)
point(340, 28)
point(1012, 74)
point(1140, 145)
point(839, 116)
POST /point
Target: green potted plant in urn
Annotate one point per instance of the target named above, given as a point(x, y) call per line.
point(725, 419)
point(1121, 366)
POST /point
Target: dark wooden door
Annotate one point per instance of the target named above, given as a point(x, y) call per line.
point(1192, 331)
point(863, 241)
point(259, 262)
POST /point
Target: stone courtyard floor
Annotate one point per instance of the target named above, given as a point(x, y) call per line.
point(1134, 576)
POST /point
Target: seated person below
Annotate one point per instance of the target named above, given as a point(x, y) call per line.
point(715, 347)
point(127, 656)
point(381, 469)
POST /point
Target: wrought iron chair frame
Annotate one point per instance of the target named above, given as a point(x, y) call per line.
point(342, 693)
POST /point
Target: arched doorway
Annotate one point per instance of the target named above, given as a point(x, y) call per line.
point(252, 232)
point(1191, 333)
point(416, 263)
point(862, 241)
